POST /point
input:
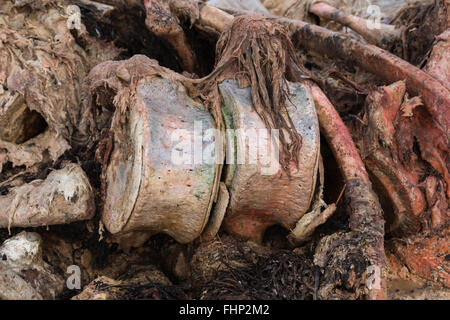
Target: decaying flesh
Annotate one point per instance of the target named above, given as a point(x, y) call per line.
point(406, 153)
point(43, 148)
point(411, 31)
point(217, 214)
point(435, 95)
point(174, 198)
point(253, 169)
point(438, 64)
point(244, 51)
point(116, 85)
point(42, 65)
point(258, 54)
point(396, 129)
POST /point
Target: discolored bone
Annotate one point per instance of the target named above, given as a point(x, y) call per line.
point(366, 215)
point(42, 67)
point(299, 9)
point(422, 22)
point(377, 145)
point(384, 35)
point(306, 226)
point(149, 191)
point(261, 194)
point(25, 275)
point(65, 196)
point(17, 122)
point(44, 148)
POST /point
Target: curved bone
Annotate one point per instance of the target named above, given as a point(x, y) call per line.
point(435, 96)
point(438, 64)
point(401, 145)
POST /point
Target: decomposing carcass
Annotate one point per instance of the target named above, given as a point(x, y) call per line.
point(209, 138)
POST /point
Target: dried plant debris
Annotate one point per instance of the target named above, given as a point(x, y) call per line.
point(230, 269)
